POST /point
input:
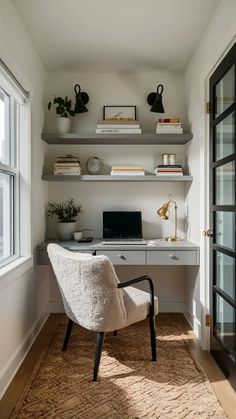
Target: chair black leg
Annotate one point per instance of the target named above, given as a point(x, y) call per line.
point(115, 333)
point(99, 345)
point(153, 337)
point(68, 333)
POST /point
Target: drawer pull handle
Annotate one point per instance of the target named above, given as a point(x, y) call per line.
point(173, 257)
point(122, 257)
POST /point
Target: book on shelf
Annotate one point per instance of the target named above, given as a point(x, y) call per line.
point(169, 166)
point(118, 125)
point(118, 122)
point(169, 173)
point(69, 158)
point(127, 170)
point(169, 126)
point(66, 165)
point(62, 173)
point(118, 131)
point(127, 173)
point(66, 171)
point(168, 169)
point(169, 131)
point(127, 167)
point(169, 120)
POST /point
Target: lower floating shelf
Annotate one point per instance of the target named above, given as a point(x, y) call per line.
point(109, 178)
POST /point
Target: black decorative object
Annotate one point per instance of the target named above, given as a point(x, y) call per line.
point(81, 98)
point(155, 100)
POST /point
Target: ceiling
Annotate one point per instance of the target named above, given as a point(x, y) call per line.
point(111, 35)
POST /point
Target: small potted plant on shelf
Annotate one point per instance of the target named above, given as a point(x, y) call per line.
point(64, 110)
point(66, 213)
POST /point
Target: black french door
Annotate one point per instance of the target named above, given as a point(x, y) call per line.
point(223, 214)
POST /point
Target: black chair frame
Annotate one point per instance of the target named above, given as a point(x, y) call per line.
point(101, 335)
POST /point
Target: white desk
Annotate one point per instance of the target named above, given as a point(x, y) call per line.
point(168, 254)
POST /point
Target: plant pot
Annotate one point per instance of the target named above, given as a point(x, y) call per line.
point(63, 125)
point(66, 230)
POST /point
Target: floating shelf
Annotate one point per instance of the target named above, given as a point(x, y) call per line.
point(109, 178)
point(118, 139)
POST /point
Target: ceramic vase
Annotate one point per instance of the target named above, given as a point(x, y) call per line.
point(63, 125)
point(66, 231)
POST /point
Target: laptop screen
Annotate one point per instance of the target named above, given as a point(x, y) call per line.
point(122, 225)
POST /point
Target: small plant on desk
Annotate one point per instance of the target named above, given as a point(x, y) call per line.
point(66, 213)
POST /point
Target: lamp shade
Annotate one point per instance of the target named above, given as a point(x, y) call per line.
point(163, 212)
point(155, 100)
point(81, 99)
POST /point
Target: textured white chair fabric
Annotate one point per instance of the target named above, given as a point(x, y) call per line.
point(91, 295)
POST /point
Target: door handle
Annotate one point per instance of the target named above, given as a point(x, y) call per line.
point(208, 233)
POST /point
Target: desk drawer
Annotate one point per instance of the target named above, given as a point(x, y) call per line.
point(172, 257)
point(124, 257)
point(43, 259)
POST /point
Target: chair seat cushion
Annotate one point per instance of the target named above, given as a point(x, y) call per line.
point(137, 304)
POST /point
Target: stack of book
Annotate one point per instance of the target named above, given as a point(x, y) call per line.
point(118, 127)
point(169, 169)
point(169, 126)
point(67, 165)
point(127, 170)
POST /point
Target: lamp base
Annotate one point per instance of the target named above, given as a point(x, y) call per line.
point(172, 239)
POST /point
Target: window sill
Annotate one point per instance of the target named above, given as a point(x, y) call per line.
point(15, 269)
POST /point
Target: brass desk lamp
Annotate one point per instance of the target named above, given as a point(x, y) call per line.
point(164, 214)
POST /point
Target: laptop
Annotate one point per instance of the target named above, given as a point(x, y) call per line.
point(122, 227)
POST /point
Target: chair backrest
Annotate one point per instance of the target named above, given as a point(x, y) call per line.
point(88, 286)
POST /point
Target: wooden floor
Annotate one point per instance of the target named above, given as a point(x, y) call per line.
point(222, 388)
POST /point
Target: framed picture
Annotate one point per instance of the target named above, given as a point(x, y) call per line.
point(119, 113)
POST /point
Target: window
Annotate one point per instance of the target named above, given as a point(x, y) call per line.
point(13, 134)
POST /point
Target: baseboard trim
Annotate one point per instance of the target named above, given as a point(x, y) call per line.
point(55, 307)
point(171, 307)
point(193, 322)
point(19, 354)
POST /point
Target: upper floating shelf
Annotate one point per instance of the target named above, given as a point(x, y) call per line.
point(131, 139)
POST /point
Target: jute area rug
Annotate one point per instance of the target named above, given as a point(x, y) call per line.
point(129, 386)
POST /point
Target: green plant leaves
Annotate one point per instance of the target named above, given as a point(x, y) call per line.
point(63, 106)
point(65, 211)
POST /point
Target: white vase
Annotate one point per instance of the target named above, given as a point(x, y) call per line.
point(63, 125)
point(66, 230)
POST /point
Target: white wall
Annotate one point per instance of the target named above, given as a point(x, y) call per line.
point(212, 46)
point(121, 89)
point(23, 298)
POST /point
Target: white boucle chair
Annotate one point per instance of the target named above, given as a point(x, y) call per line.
point(93, 297)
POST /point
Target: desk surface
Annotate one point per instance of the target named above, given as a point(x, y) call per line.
point(164, 253)
point(96, 244)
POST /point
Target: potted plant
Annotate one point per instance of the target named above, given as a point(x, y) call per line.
point(64, 110)
point(66, 213)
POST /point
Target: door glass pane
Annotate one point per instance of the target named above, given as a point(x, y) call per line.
point(6, 216)
point(225, 184)
point(224, 229)
point(4, 128)
point(224, 326)
point(224, 92)
point(225, 278)
point(225, 137)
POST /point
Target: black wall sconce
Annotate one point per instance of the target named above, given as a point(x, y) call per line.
point(155, 100)
point(81, 99)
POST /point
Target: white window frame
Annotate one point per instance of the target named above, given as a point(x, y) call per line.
point(20, 169)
